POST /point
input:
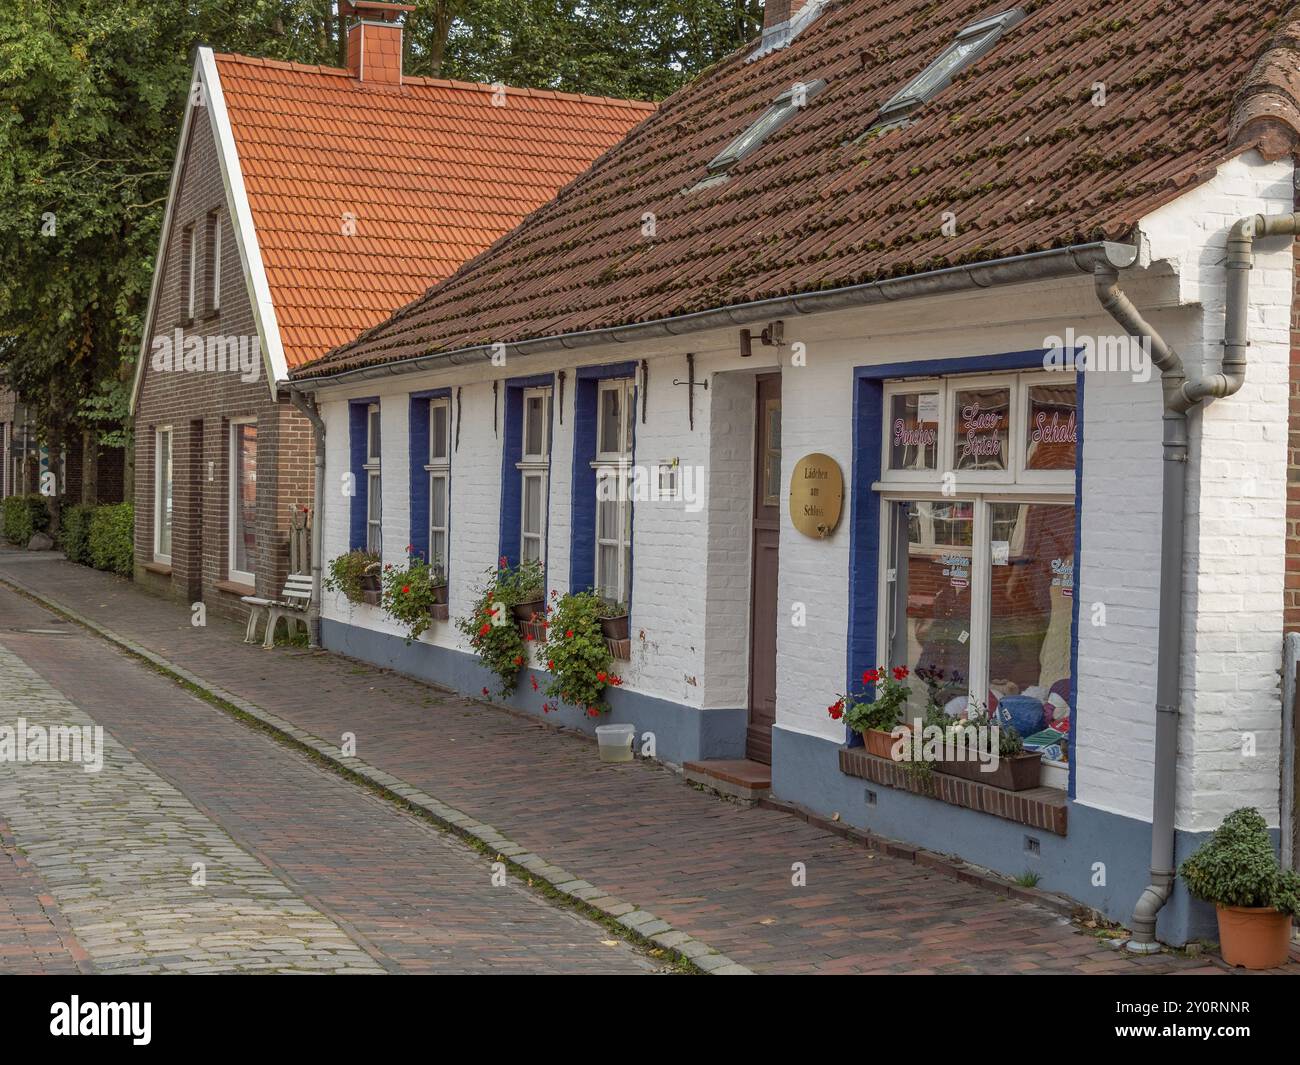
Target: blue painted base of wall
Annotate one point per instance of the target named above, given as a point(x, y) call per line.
point(805, 770)
point(681, 733)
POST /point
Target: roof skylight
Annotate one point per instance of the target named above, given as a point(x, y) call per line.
point(969, 44)
point(784, 108)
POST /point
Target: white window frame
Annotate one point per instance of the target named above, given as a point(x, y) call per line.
point(232, 504)
point(438, 468)
point(976, 487)
point(216, 260)
point(374, 480)
point(616, 464)
point(161, 505)
point(534, 466)
point(192, 281)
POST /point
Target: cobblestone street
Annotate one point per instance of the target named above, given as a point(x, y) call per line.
point(415, 899)
point(302, 871)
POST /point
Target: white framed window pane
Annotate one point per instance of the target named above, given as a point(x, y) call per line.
point(611, 425)
point(438, 431)
point(438, 549)
point(914, 430)
point(607, 582)
point(532, 505)
point(216, 262)
point(607, 523)
point(244, 498)
point(1051, 427)
point(929, 609)
point(1031, 610)
point(438, 502)
point(982, 431)
point(372, 434)
point(374, 504)
point(534, 425)
point(164, 493)
point(531, 549)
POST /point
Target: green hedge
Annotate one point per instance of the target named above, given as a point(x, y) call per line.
point(112, 538)
point(75, 525)
point(23, 516)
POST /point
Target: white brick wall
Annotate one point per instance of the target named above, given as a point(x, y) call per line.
point(691, 582)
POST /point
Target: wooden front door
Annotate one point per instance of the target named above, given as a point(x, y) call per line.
point(767, 538)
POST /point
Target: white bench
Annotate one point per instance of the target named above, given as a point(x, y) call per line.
point(292, 606)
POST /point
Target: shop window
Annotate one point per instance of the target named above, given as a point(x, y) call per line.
point(977, 571)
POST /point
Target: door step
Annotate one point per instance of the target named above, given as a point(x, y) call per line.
point(736, 777)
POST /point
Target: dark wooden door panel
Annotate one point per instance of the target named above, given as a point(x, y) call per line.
point(763, 582)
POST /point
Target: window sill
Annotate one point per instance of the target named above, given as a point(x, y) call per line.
point(235, 588)
point(163, 569)
point(1042, 808)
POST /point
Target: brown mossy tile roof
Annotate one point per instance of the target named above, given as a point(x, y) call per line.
point(1015, 148)
point(432, 173)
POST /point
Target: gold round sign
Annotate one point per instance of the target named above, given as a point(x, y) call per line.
point(816, 495)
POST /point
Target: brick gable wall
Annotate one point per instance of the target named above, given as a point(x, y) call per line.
point(199, 407)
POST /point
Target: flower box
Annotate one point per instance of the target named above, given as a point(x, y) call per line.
point(1017, 772)
point(371, 589)
point(879, 743)
point(614, 628)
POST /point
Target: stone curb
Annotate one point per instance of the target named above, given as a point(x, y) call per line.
point(639, 925)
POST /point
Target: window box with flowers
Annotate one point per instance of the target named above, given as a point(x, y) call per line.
point(577, 656)
point(493, 633)
point(413, 594)
point(356, 577)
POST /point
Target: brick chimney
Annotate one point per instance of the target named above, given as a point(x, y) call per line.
point(775, 12)
point(375, 41)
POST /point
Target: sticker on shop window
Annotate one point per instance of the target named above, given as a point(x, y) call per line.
point(963, 637)
point(1000, 550)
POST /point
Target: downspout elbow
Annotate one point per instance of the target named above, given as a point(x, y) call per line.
point(1146, 912)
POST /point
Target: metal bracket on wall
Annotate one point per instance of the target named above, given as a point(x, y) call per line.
point(494, 408)
point(458, 417)
point(561, 376)
point(691, 385)
point(645, 386)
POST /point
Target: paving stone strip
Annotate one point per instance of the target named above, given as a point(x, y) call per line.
point(118, 850)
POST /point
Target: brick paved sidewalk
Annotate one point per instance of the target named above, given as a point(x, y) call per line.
point(715, 870)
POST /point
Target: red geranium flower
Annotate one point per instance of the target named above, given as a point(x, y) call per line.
point(836, 709)
point(485, 691)
point(870, 676)
point(616, 681)
point(550, 663)
point(568, 634)
point(593, 712)
point(485, 629)
point(534, 680)
point(406, 589)
point(601, 675)
point(900, 672)
point(519, 661)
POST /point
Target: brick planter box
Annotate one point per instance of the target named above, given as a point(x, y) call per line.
point(1042, 808)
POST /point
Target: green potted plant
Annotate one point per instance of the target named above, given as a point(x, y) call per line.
point(356, 575)
point(521, 587)
point(576, 654)
point(875, 718)
point(493, 634)
point(613, 619)
point(1237, 870)
point(410, 594)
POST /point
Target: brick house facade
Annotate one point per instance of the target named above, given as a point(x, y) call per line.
point(306, 203)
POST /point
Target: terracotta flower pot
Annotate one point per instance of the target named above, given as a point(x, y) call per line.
point(879, 743)
point(1254, 937)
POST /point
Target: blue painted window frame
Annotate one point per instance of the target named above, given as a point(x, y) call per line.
point(357, 446)
point(864, 507)
point(586, 421)
point(419, 429)
point(511, 454)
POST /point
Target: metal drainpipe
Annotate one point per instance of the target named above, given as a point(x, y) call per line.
point(1181, 396)
point(309, 411)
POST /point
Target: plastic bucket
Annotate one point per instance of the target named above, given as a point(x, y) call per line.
point(615, 742)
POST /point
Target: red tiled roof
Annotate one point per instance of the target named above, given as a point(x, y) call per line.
point(1015, 148)
point(433, 174)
